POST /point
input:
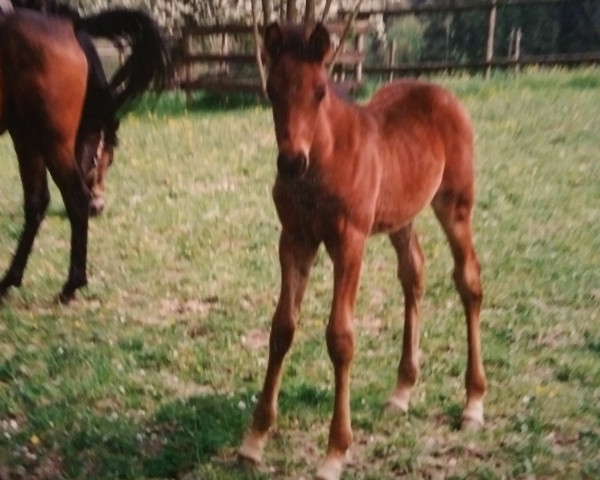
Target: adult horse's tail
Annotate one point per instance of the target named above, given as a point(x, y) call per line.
point(148, 62)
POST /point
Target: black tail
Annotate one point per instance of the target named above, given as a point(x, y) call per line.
point(148, 62)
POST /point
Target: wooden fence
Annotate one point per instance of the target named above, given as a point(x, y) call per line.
point(230, 64)
point(514, 60)
point(221, 58)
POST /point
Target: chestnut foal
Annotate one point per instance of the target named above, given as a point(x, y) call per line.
point(346, 172)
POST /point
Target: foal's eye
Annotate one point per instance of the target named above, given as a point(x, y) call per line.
point(320, 92)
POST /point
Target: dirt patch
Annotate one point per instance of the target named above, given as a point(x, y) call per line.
point(255, 339)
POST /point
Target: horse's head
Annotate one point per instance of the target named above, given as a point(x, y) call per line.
point(97, 153)
point(297, 86)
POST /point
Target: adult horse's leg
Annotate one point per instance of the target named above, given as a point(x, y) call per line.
point(296, 260)
point(36, 198)
point(453, 209)
point(410, 273)
point(346, 254)
point(75, 194)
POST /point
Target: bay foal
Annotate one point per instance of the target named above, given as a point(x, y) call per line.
point(346, 172)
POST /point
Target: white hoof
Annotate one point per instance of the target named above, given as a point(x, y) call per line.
point(472, 418)
point(398, 402)
point(330, 470)
point(252, 449)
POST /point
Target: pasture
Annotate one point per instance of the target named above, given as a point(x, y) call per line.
point(154, 370)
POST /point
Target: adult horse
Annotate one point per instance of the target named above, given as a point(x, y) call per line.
point(107, 101)
point(346, 172)
point(43, 84)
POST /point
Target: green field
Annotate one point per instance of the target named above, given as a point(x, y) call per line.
point(154, 370)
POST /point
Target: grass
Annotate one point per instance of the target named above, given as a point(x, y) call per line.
point(154, 371)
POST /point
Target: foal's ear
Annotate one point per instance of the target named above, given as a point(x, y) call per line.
point(272, 39)
point(319, 42)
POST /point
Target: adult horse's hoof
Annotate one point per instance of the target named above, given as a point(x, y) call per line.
point(65, 297)
point(74, 282)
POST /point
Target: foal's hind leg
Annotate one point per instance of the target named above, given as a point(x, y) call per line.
point(75, 194)
point(453, 209)
point(410, 273)
point(36, 199)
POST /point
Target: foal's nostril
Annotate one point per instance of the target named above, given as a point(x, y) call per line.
point(291, 167)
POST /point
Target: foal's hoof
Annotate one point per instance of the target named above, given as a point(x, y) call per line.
point(250, 452)
point(330, 470)
point(471, 424)
point(472, 418)
point(394, 405)
point(248, 458)
point(398, 401)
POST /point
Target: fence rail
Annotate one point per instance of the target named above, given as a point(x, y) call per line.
point(232, 70)
point(524, 61)
point(447, 8)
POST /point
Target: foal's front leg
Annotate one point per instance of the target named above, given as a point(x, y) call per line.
point(296, 259)
point(347, 257)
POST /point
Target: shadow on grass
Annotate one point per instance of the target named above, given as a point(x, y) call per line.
point(181, 436)
point(175, 103)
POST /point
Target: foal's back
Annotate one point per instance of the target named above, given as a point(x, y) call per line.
point(426, 147)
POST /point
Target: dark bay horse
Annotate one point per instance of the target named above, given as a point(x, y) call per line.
point(48, 104)
point(346, 172)
point(108, 100)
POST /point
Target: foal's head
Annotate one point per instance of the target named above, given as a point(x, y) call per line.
point(297, 86)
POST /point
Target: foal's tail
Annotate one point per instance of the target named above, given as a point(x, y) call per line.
point(148, 62)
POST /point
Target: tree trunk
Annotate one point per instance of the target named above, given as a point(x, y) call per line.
point(257, 50)
point(309, 14)
point(267, 8)
point(326, 10)
point(344, 34)
point(290, 12)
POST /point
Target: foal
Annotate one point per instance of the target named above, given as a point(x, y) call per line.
point(345, 172)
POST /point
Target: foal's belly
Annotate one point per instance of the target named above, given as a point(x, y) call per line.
point(406, 191)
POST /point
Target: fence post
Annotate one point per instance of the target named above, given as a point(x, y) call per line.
point(489, 51)
point(187, 51)
point(517, 54)
point(224, 50)
point(392, 58)
point(358, 44)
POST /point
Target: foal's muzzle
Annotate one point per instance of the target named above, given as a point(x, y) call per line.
point(291, 167)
